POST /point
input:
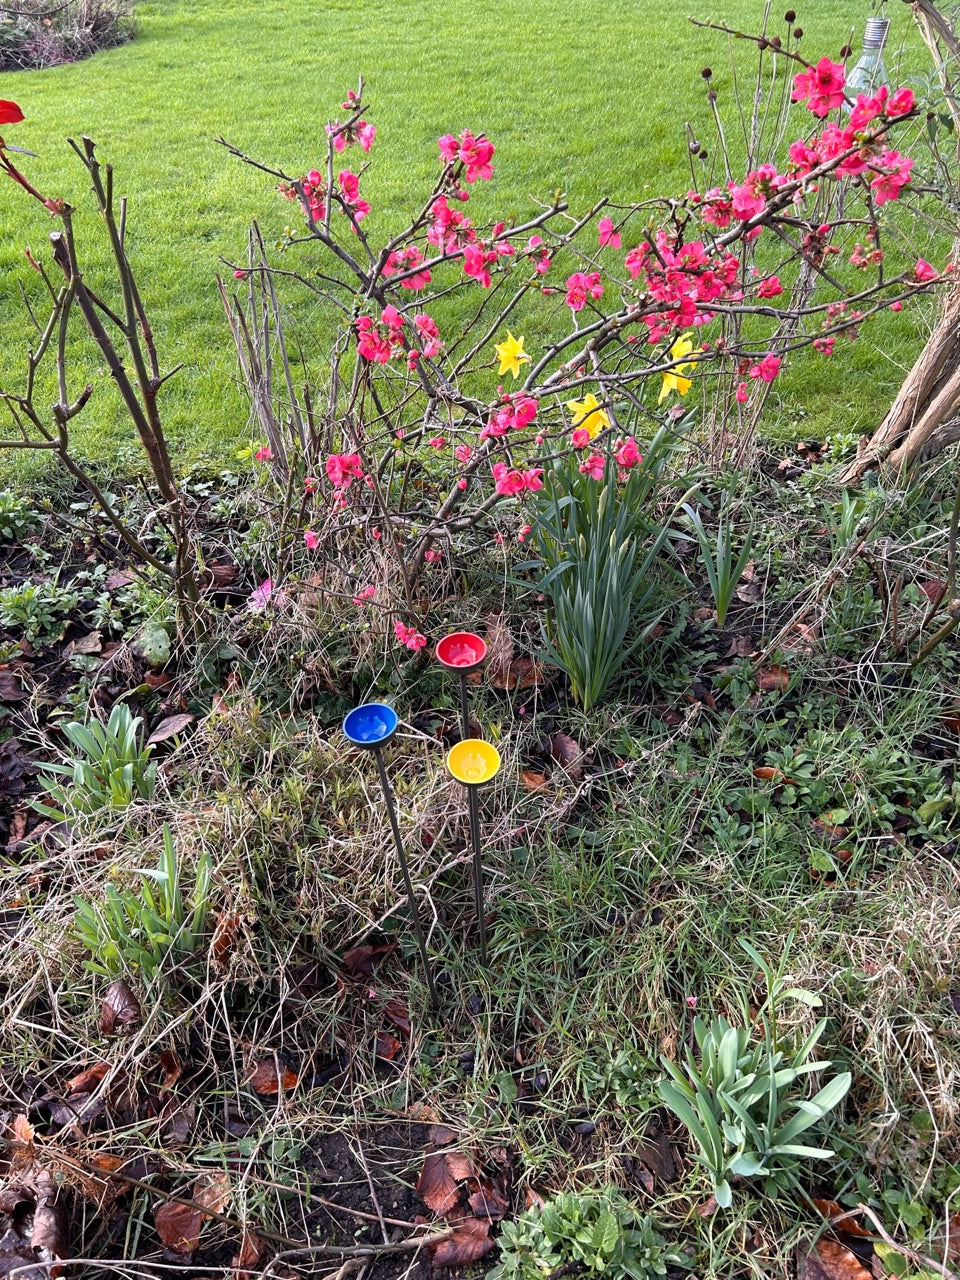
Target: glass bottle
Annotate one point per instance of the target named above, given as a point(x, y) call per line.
point(869, 73)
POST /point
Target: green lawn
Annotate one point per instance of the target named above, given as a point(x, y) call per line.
point(587, 97)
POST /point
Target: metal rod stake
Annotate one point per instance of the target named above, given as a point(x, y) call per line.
point(464, 706)
point(405, 870)
point(474, 805)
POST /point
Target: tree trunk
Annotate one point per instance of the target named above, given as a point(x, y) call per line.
point(925, 416)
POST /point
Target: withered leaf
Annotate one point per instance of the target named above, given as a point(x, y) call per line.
point(272, 1074)
point(566, 751)
point(830, 1260)
point(224, 936)
point(488, 1201)
point(533, 781)
point(21, 1130)
point(359, 961)
point(773, 679)
point(396, 1011)
point(849, 1226)
point(766, 773)
point(178, 1225)
point(251, 1250)
point(86, 1081)
point(171, 1067)
point(470, 1241)
point(84, 645)
point(170, 727)
point(121, 1009)
point(218, 576)
point(10, 688)
point(441, 1135)
point(387, 1046)
point(438, 1185)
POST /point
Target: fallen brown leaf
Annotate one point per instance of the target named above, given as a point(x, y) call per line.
point(270, 1075)
point(84, 645)
point(488, 1201)
point(830, 1260)
point(849, 1226)
point(121, 1009)
point(170, 727)
point(766, 773)
point(224, 936)
point(439, 1183)
point(387, 1046)
point(252, 1249)
point(172, 1069)
point(179, 1225)
point(567, 753)
point(441, 1135)
point(470, 1241)
point(10, 688)
point(773, 679)
point(533, 781)
point(397, 1013)
point(86, 1081)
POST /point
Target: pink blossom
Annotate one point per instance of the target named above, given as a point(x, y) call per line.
point(449, 147)
point(628, 455)
point(474, 152)
point(893, 176)
point(580, 438)
point(896, 305)
point(866, 108)
point(900, 104)
point(767, 369)
point(311, 539)
point(259, 598)
point(433, 555)
point(401, 260)
point(264, 453)
point(594, 467)
point(581, 286)
point(409, 636)
point(825, 345)
point(743, 393)
point(607, 233)
point(364, 594)
point(475, 264)
point(508, 482)
point(392, 318)
point(524, 411)
point(524, 533)
point(240, 275)
point(463, 453)
point(343, 469)
point(366, 134)
point(533, 479)
point(821, 87)
point(924, 272)
point(769, 288)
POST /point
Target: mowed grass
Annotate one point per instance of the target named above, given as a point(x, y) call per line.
point(582, 96)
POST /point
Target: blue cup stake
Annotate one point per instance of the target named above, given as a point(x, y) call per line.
point(371, 726)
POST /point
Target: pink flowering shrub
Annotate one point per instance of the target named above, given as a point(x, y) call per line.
point(429, 424)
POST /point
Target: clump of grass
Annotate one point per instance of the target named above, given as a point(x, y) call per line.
point(35, 34)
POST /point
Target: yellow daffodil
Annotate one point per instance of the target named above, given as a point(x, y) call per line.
point(587, 415)
point(511, 355)
point(674, 380)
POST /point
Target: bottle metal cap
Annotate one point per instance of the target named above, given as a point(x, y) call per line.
point(876, 32)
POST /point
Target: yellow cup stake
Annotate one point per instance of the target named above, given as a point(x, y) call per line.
point(474, 762)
